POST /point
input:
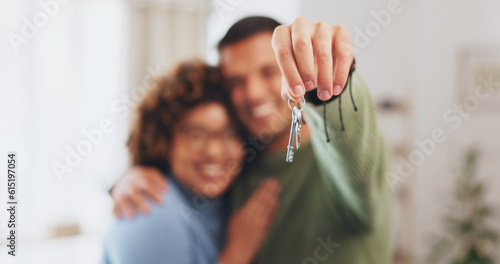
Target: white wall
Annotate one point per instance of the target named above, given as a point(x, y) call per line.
point(227, 12)
point(57, 85)
point(416, 54)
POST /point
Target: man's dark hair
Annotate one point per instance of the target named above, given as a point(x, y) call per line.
point(246, 28)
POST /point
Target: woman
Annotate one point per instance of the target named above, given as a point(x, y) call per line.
point(184, 128)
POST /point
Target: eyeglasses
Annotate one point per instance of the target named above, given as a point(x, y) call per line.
point(198, 138)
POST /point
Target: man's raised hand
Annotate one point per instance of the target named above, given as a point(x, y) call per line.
point(313, 55)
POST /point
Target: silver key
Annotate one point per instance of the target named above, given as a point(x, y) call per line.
point(297, 128)
point(294, 129)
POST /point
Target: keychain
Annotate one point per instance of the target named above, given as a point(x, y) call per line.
point(297, 115)
point(295, 128)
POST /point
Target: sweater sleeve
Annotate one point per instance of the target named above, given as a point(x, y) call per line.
point(352, 165)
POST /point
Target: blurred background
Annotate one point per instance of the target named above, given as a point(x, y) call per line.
point(71, 72)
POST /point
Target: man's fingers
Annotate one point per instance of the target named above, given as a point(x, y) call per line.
point(322, 44)
point(151, 178)
point(152, 184)
point(282, 45)
point(140, 202)
point(117, 212)
point(342, 45)
point(285, 92)
point(303, 51)
point(127, 207)
point(313, 55)
point(156, 193)
point(158, 179)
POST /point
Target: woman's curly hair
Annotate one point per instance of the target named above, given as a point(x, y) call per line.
point(188, 85)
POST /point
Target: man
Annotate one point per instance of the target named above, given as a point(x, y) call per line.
point(335, 203)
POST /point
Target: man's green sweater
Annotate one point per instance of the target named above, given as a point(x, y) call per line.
point(335, 201)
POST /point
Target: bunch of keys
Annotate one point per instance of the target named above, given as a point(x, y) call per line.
point(295, 128)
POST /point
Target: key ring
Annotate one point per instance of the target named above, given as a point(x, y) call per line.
point(302, 103)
